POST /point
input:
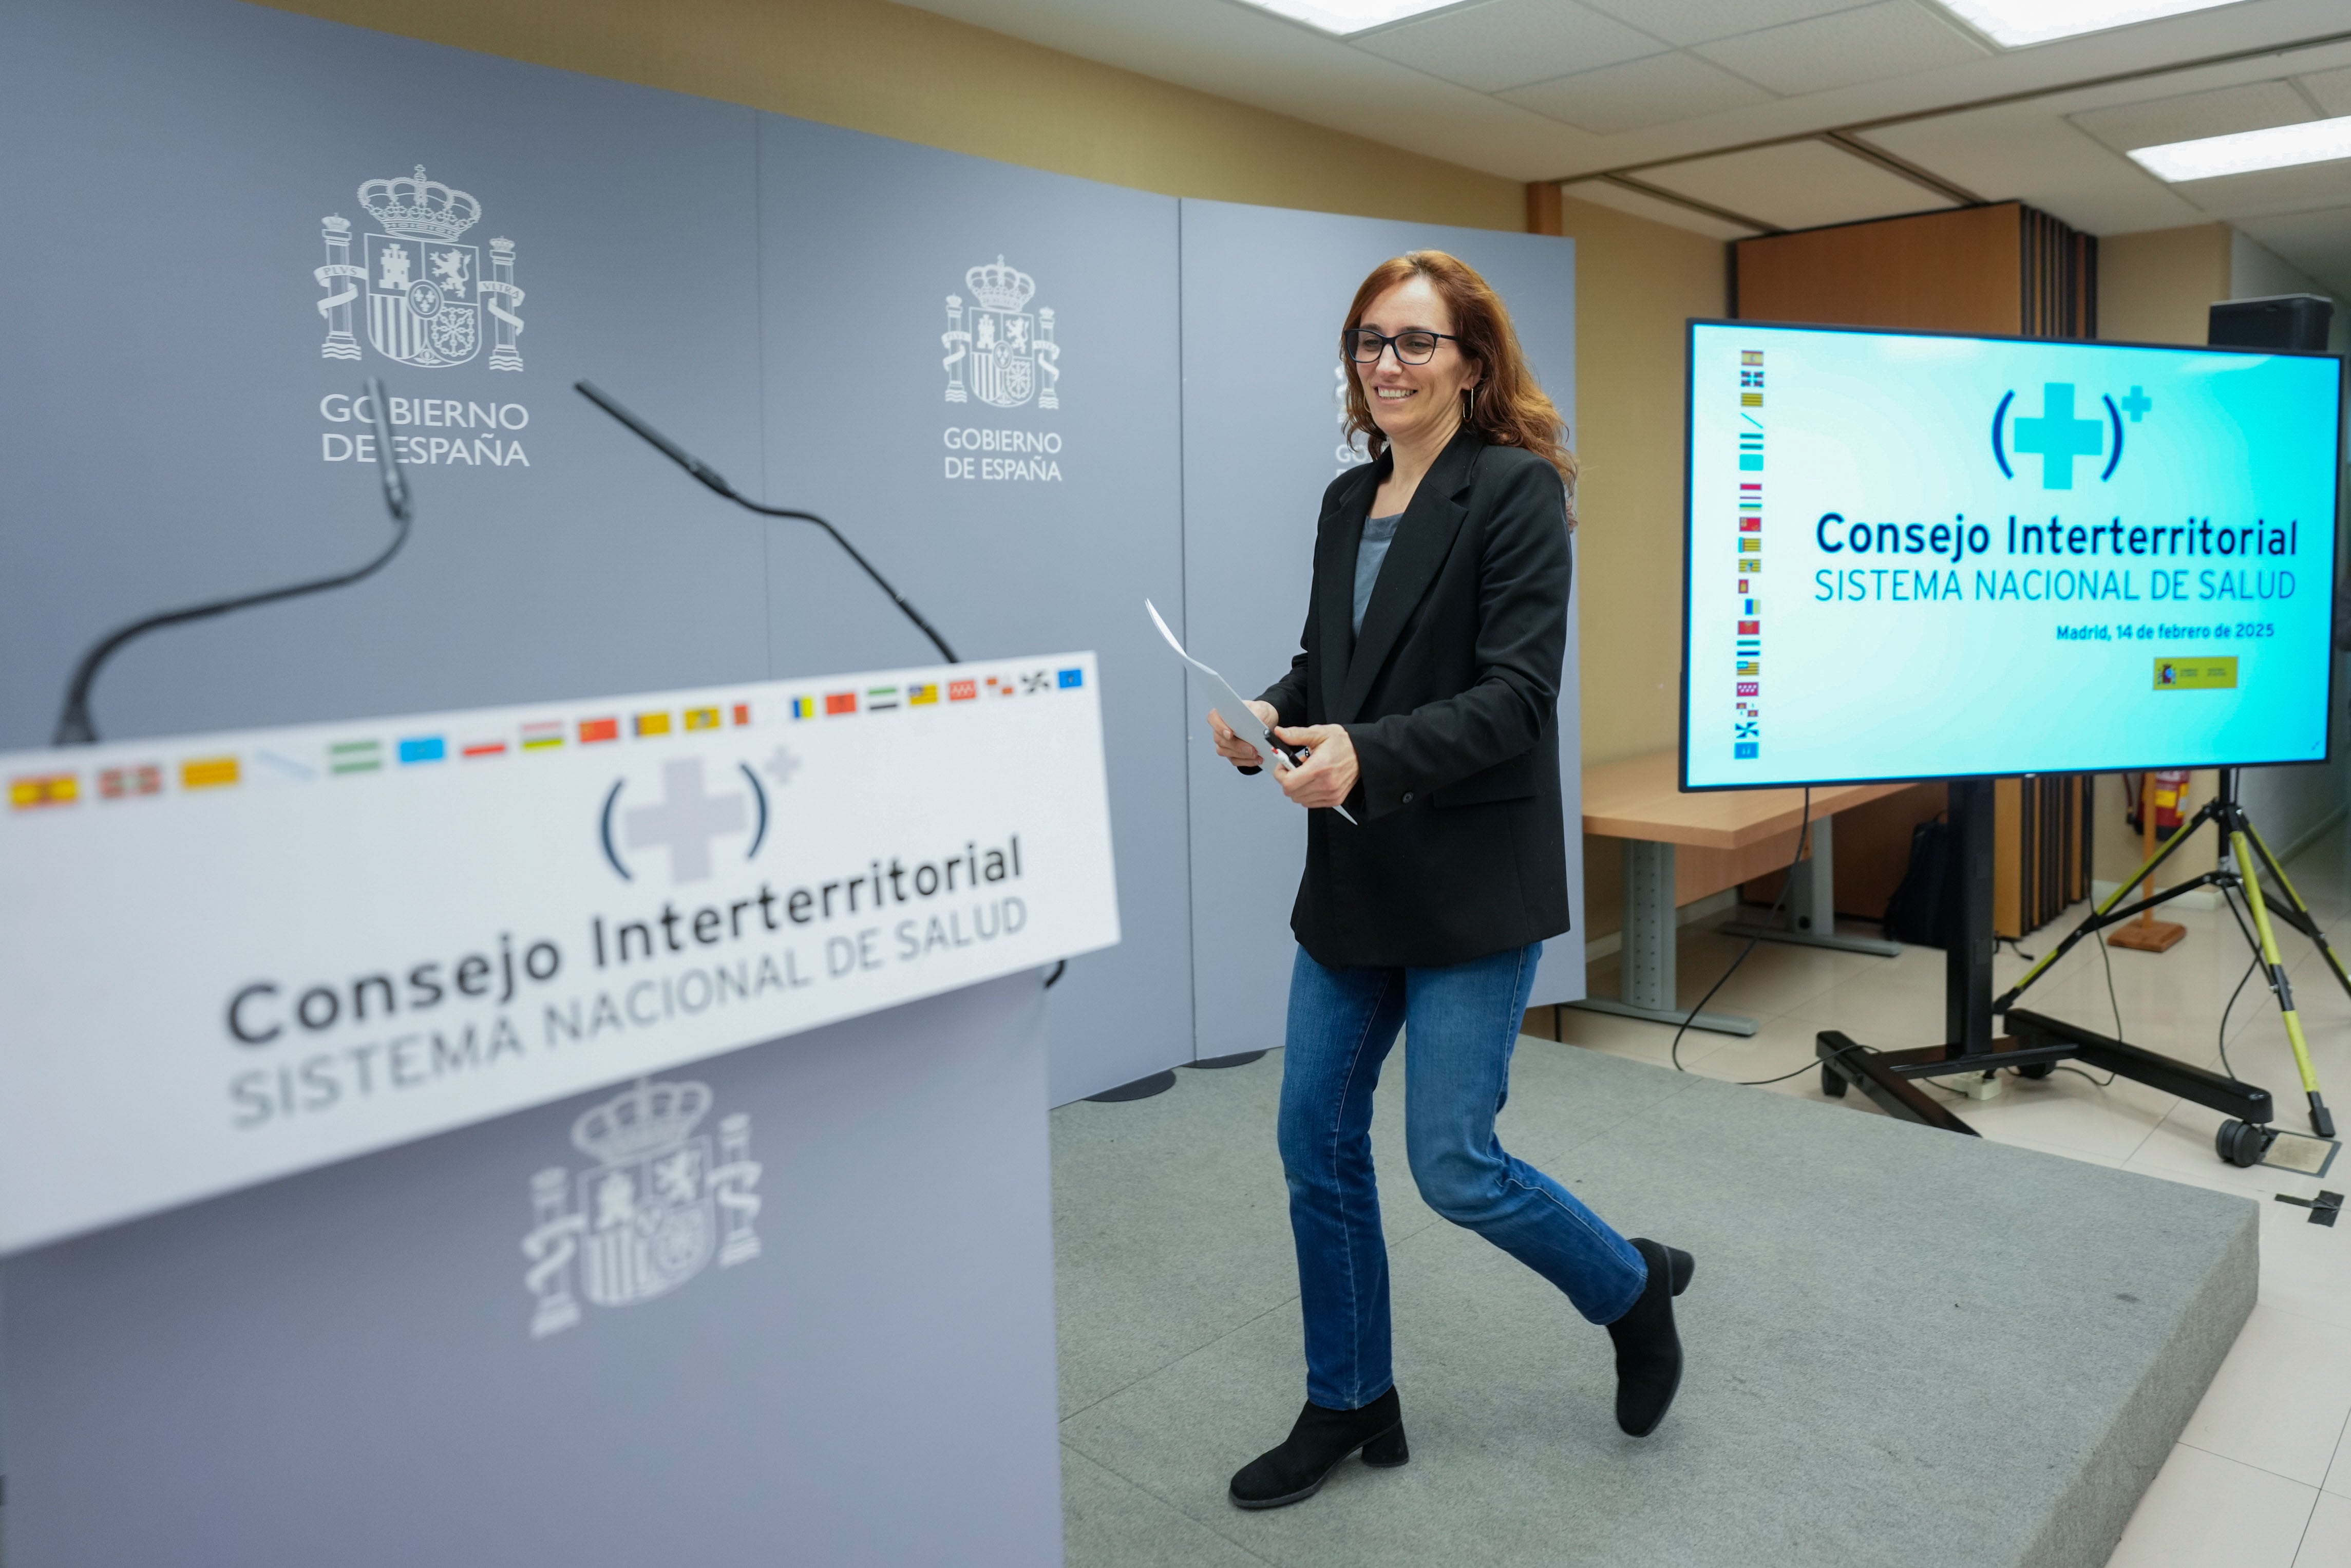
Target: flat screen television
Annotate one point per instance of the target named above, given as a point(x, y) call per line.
point(1916, 555)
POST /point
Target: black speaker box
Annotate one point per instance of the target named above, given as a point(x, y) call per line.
point(2280, 322)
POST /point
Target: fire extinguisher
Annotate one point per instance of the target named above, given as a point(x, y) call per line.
point(2170, 793)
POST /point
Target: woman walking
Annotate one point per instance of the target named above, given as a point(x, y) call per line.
point(1426, 694)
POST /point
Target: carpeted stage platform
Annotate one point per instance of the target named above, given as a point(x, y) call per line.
point(1907, 1347)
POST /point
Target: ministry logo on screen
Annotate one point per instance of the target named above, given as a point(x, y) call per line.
point(429, 301)
point(998, 350)
point(656, 1207)
point(2059, 437)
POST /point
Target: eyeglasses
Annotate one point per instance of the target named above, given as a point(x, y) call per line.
point(1412, 347)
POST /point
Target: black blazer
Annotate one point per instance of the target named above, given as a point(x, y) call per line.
point(1452, 700)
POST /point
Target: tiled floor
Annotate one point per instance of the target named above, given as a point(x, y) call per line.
point(2261, 1478)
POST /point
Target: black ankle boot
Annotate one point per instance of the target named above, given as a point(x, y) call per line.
point(1296, 1470)
point(1649, 1351)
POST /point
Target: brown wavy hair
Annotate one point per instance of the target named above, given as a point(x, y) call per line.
point(1509, 408)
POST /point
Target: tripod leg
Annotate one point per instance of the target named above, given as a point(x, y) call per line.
point(2309, 921)
point(2322, 1120)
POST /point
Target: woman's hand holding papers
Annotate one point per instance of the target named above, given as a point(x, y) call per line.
point(1324, 779)
point(1327, 776)
point(1231, 746)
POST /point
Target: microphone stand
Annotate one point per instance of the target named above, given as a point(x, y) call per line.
point(717, 481)
point(75, 727)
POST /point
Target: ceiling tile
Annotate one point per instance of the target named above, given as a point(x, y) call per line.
point(1798, 185)
point(2305, 187)
point(2252, 105)
point(1608, 194)
point(2028, 152)
point(1698, 21)
point(1237, 51)
point(1506, 43)
point(2332, 89)
point(1639, 93)
point(1250, 55)
point(2319, 242)
point(1891, 39)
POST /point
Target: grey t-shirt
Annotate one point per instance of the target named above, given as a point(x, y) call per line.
point(1378, 534)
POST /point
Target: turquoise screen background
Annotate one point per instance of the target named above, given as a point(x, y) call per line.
point(1920, 557)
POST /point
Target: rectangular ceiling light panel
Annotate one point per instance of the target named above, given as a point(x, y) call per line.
point(2244, 151)
point(1342, 18)
point(2013, 23)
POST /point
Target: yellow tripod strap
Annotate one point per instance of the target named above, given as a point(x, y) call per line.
point(2248, 871)
point(2277, 869)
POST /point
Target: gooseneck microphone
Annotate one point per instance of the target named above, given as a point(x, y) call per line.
point(73, 725)
point(717, 481)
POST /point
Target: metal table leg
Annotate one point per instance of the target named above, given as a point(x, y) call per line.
point(1646, 988)
point(1811, 906)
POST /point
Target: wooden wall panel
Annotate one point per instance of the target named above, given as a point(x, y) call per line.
point(1958, 271)
point(2008, 857)
point(2004, 268)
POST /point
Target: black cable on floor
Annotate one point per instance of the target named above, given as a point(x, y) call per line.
point(2248, 975)
point(2229, 897)
point(2113, 1002)
point(1803, 838)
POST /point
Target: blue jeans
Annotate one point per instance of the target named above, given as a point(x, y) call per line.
point(1461, 1023)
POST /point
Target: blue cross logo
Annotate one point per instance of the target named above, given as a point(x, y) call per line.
point(2057, 437)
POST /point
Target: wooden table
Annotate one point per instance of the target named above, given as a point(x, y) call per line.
point(1732, 835)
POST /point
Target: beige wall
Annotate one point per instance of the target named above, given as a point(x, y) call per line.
point(2157, 288)
point(895, 71)
point(1637, 282)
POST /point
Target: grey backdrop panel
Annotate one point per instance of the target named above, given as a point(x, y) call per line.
point(352, 1348)
point(865, 239)
point(1265, 292)
point(160, 420)
point(162, 426)
point(341, 1368)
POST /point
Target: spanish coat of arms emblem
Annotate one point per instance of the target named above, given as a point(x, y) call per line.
point(998, 352)
point(429, 302)
point(659, 1203)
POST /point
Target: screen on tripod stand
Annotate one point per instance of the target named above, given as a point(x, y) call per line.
point(1922, 555)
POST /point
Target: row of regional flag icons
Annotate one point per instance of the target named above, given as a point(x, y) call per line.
point(881, 699)
point(1747, 714)
point(136, 781)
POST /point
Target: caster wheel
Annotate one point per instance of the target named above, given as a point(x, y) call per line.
point(1832, 1083)
point(2036, 1070)
point(2242, 1143)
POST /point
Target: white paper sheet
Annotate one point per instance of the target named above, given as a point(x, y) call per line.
point(1228, 703)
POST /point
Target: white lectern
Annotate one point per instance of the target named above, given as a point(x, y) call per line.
point(383, 1178)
